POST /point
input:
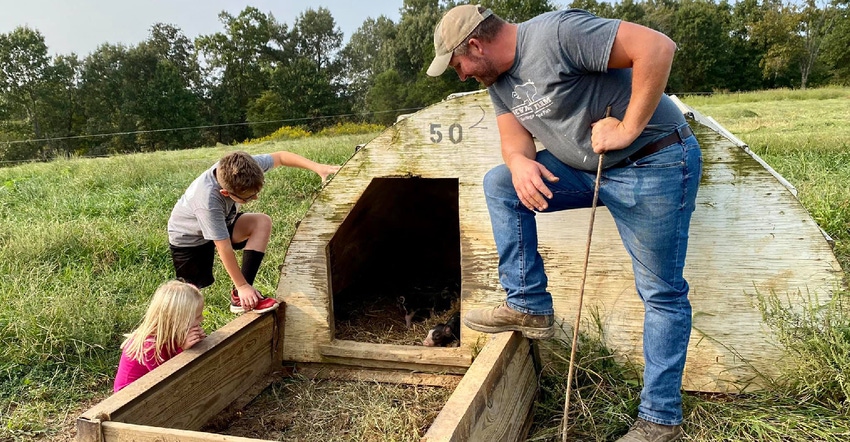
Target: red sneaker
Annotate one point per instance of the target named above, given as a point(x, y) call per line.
point(265, 304)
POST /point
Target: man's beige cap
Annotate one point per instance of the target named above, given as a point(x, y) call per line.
point(451, 31)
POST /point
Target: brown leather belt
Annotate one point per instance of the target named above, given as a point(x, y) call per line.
point(675, 137)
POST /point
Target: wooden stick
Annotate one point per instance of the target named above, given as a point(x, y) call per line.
point(566, 418)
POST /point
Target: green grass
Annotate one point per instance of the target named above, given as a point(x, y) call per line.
point(810, 401)
point(83, 246)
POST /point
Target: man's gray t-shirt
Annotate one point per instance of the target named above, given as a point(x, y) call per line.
point(202, 214)
point(560, 84)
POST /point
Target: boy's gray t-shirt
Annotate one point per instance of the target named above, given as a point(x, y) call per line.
point(202, 214)
point(560, 84)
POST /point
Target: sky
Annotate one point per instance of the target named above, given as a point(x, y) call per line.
point(81, 26)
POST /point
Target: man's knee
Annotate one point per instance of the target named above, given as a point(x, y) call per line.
point(497, 180)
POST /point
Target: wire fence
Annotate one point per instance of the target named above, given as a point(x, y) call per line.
point(176, 129)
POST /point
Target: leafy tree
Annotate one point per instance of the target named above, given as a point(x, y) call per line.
point(169, 91)
point(835, 54)
point(164, 102)
point(701, 35)
point(516, 11)
point(776, 31)
point(62, 112)
point(601, 9)
point(745, 54)
point(170, 43)
point(630, 11)
point(402, 83)
point(661, 15)
point(815, 25)
point(414, 43)
point(23, 69)
point(269, 107)
point(103, 91)
point(367, 54)
point(383, 97)
point(317, 37)
point(300, 95)
point(239, 61)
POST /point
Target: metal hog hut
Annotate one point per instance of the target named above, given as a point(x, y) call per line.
point(409, 208)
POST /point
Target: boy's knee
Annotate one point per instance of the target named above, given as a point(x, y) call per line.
point(265, 221)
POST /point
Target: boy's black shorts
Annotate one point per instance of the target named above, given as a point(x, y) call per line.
point(195, 264)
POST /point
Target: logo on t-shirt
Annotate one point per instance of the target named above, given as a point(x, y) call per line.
point(527, 104)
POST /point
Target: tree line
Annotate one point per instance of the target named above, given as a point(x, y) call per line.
point(257, 74)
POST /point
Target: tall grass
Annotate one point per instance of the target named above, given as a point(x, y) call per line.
point(810, 401)
point(82, 248)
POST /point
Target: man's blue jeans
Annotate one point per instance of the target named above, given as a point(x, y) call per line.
point(651, 201)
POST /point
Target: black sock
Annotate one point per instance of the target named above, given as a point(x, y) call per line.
point(251, 260)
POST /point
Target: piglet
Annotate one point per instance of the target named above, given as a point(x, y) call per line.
point(443, 334)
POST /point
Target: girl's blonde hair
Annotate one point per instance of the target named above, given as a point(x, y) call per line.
point(171, 313)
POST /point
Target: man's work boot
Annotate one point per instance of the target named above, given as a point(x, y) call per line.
point(503, 318)
point(645, 431)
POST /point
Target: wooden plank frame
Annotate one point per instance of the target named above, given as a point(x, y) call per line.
point(492, 401)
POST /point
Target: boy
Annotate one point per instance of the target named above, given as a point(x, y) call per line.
point(206, 219)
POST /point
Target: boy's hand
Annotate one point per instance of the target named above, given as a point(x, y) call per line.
point(248, 296)
point(326, 170)
point(195, 335)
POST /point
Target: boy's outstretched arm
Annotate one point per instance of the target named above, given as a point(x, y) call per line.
point(289, 159)
point(248, 295)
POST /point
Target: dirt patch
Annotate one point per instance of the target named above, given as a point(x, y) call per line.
point(301, 409)
point(66, 424)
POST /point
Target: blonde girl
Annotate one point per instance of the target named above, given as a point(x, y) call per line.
point(172, 324)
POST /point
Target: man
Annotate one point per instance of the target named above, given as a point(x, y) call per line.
point(553, 78)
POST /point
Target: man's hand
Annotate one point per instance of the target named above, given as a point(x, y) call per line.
point(609, 134)
point(527, 176)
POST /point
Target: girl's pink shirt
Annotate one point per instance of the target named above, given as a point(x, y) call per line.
point(129, 369)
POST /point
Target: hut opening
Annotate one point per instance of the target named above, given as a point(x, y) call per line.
point(394, 262)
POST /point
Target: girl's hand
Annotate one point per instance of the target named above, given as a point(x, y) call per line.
point(195, 335)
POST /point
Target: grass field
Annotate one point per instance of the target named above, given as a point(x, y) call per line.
point(83, 246)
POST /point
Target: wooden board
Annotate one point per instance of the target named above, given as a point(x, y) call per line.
point(749, 235)
point(121, 432)
point(416, 358)
point(494, 398)
point(348, 373)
